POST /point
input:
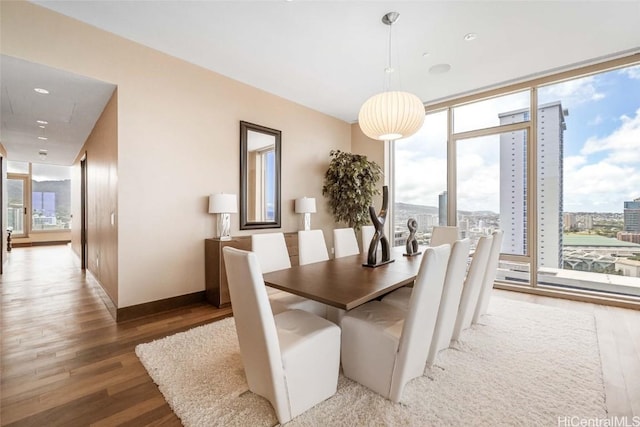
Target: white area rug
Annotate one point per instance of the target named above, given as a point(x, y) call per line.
point(525, 364)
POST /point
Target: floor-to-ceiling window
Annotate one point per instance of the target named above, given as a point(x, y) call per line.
point(50, 197)
point(420, 183)
point(39, 198)
point(490, 140)
point(555, 163)
point(589, 173)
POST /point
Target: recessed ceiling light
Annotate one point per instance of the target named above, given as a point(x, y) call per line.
point(425, 54)
point(41, 90)
point(43, 138)
point(41, 126)
point(42, 122)
point(470, 36)
point(439, 68)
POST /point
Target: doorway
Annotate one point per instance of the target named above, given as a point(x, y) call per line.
point(83, 212)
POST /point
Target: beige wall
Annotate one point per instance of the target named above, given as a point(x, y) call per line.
point(178, 141)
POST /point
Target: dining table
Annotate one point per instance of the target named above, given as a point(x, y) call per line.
point(346, 282)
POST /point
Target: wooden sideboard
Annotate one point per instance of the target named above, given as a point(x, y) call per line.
point(216, 287)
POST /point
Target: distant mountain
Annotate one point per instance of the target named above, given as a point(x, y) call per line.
point(433, 210)
point(416, 209)
point(478, 213)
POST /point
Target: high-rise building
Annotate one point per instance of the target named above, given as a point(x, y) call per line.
point(442, 208)
point(588, 222)
point(569, 221)
point(632, 216)
point(513, 184)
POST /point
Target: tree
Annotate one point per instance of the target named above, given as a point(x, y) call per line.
point(349, 185)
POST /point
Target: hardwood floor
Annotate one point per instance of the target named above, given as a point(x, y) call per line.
point(64, 360)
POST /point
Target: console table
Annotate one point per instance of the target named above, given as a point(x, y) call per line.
point(216, 287)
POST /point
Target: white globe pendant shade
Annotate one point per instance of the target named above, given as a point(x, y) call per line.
point(388, 116)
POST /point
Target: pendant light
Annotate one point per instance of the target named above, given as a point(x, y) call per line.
point(391, 115)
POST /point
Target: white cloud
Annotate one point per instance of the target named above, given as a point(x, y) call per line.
point(599, 187)
point(574, 162)
point(605, 184)
point(484, 114)
point(620, 147)
point(572, 92)
point(595, 121)
point(478, 180)
point(632, 72)
point(423, 156)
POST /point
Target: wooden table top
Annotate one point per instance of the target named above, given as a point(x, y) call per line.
point(344, 282)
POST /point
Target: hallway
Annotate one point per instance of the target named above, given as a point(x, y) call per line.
point(65, 361)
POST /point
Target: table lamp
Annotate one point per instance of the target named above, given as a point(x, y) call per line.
point(306, 206)
point(223, 205)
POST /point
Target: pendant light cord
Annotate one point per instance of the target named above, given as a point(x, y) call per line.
point(389, 69)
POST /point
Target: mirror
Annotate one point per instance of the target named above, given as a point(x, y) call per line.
point(259, 177)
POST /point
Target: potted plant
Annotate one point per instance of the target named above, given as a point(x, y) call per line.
point(349, 185)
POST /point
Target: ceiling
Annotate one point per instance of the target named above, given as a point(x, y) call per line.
point(330, 56)
point(69, 111)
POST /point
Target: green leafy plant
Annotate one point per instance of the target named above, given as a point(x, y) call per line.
point(349, 185)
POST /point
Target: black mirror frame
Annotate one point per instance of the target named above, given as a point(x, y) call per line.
point(245, 127)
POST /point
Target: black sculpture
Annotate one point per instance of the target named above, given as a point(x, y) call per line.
point(378, 236)
point(412, 243)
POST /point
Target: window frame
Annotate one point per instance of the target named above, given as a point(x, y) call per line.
point(530, 127)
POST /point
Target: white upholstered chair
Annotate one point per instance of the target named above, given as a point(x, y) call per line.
point(449, 302)
point(291, 359)
point(442, 234)
point(272, 253)
point(489, 276)
point(366, 235)
point(311, 247)
point(384, 347)
point(472, 286)
point(345, 242)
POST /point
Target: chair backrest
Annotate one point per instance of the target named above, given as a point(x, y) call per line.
point(366, 235)
point(311, 247)
point(489, 276)
point(345, 242)
point(450, 301)
point(472, 286)
point(442, 234)
point(420, 319)
point(256, 328)
point(271, 250)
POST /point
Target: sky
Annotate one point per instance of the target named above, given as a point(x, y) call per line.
point(601, 147)
point(41, 171)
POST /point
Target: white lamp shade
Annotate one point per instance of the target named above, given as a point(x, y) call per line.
point(223, 203)
point(306, 205)
point(388, 116)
